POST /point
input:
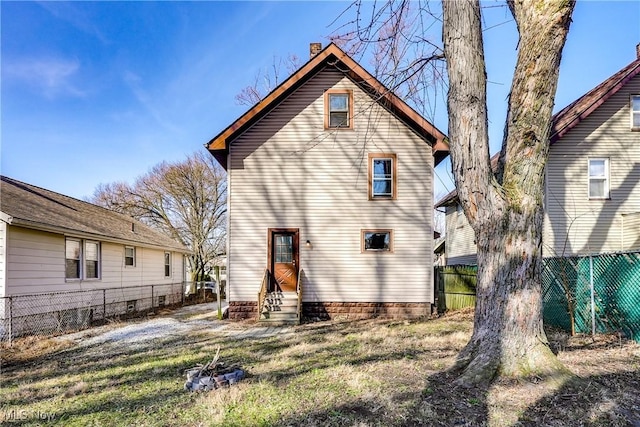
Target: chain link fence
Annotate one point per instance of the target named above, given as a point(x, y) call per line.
point(588, 294)
point(593, 294)
point(60, 312)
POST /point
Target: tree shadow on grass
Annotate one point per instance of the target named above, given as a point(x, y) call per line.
point(598, 400)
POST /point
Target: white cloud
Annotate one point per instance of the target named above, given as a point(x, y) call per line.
point(54, 77)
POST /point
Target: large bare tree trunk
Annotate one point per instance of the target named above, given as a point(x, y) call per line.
point(505, 207)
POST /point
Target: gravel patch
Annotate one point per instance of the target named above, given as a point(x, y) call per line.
point(194, 318)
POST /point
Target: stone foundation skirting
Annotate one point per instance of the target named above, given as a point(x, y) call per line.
point(314, 311)
point(241, 310)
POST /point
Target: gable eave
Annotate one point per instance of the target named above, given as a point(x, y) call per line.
point(567, 118)
point(219, 145)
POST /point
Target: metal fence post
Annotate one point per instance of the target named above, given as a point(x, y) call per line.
point(593, 299)
point(10, 321)
point(152, 298)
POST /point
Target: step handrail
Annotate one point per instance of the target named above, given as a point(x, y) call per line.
point(263, 291)
point(299, 291)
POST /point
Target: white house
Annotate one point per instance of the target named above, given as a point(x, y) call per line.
point(330, 198)
point(63, 260)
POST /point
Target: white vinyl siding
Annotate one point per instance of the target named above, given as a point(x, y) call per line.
point(3, 258)
point(460, 246)
point(631, 231)
point(573, 223)
point(36, 264)
point(288, 172)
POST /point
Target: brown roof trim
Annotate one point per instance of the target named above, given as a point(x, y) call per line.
point(567, 118)
point(219, 145)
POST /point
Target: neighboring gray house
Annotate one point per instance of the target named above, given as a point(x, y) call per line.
point(592, 202)
point(330, 198)
point(56, 250)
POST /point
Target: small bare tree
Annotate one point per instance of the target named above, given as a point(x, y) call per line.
point(185, 200)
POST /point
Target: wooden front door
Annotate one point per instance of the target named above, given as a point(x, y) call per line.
point(283, 259)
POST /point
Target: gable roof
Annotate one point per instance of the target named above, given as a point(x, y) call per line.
point(37, 208)
point(567, 118)
point(219, 145)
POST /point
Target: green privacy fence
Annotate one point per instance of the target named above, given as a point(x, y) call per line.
point(591, 294)
point(456, 287)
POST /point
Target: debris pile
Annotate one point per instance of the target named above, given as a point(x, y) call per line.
point(212, 376)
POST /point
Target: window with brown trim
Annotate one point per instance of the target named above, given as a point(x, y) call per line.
point(382, 176)
point(376, 240)
point(338, 106)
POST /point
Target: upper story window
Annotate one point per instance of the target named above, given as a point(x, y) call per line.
point(338, 106)
point(599, 179)
point(382, 176)
point(635, 112)
point(82, 261)
point(129, 256)
point(167, 264)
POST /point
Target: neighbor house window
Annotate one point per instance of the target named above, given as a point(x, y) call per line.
point(82, 259)
point(72, 269)
point(459, 216)
point(338, 109)
point(167, 264)
point(382, 176)
point(598, 178)
point(635, 112)
point(377, 240)
point(129, 256)
point(92, 260)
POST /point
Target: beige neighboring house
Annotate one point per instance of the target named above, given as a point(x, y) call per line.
point(330, 198)
point(58, 253)
point(592, 201)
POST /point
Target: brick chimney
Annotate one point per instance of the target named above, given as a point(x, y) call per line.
point(638, 50)
point(314, 49)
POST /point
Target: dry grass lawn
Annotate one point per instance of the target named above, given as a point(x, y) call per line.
point(356, 373)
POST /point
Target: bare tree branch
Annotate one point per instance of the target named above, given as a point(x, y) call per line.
point(185, 200)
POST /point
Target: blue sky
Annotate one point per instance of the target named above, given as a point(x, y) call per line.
point(96, 92)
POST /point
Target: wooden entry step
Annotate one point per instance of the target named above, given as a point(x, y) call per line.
point(280, 307)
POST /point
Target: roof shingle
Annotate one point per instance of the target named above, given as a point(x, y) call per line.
point(38, 208)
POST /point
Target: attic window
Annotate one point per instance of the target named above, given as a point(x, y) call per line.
point(338, 106)
point(635, 112)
